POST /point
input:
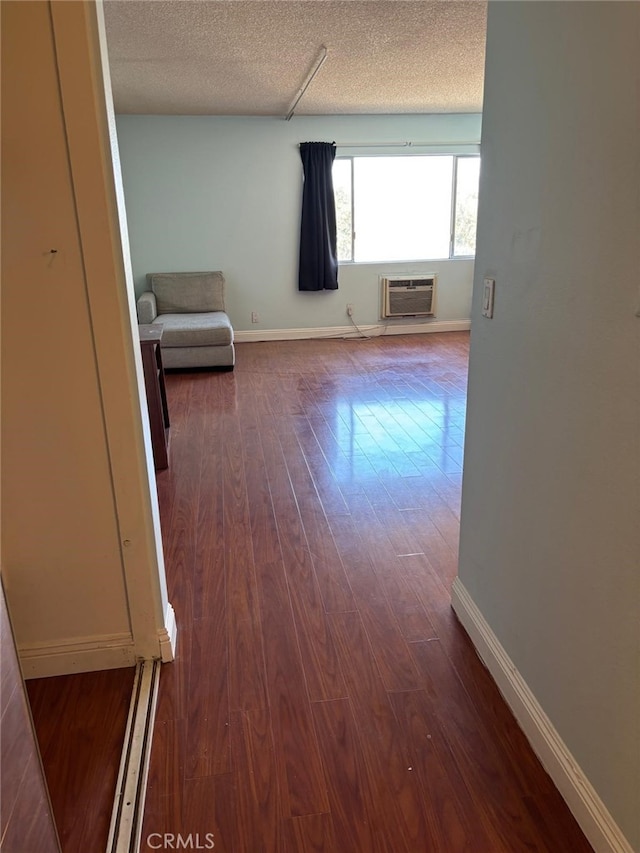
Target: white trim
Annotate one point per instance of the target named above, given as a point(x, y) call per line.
point(588, 809)
point(168, 635)
point(377, 329)
point(128, 805)
point(80, 654)
point(90, 132)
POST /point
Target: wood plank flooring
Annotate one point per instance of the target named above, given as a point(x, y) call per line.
point(324, 696)
point(80, 722)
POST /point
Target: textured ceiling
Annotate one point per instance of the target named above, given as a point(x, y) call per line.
point(251, 57)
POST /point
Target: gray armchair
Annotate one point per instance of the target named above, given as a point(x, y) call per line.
point(190, 307)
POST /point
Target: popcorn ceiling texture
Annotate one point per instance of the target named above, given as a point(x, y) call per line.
point(250, 57)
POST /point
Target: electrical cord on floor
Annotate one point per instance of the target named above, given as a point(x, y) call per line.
point(363, 335)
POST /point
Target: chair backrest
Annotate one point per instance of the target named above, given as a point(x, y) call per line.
point(187, 292)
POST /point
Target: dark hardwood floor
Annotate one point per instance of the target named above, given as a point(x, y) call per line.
point(324, 697)
point(80, 722)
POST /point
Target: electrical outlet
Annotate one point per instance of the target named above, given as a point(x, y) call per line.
point(349, 309)
point(254, 317)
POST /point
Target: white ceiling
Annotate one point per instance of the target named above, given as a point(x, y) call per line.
point(251, 57)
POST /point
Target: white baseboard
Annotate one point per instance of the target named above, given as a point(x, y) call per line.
point(377, 329)
point(168, 636)
point(588, 809)
point(81, 654)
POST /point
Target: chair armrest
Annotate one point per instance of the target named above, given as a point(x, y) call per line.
point(147, 308)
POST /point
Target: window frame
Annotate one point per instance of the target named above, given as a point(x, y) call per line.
point(454, 201)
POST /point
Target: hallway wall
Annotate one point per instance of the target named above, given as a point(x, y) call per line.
point(550, 540)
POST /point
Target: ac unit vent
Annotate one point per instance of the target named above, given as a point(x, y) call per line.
point(408, 296)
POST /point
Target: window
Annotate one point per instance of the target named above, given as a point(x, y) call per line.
point(406, 208)
point(464, 226)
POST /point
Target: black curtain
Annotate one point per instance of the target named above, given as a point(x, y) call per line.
point(318, 268)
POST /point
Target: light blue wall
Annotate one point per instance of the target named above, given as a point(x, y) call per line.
point(550, 539)
point(224, 193)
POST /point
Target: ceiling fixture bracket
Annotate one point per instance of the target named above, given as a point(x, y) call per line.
point(317, 65)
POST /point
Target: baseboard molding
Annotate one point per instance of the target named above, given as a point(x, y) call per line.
point(125, 830)
point(168, 636)
point(375, 330)
point(588, 809)
point(81, 654)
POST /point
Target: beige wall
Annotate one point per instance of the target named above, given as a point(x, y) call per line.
point(550, 532)
point(80, 556)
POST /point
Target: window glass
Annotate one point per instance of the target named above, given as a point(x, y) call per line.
point(342, 192)
point(402, 207)
point(468, 175)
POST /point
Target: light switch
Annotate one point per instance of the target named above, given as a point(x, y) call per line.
point(487, 297)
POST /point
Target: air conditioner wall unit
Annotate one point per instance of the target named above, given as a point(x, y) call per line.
point(408, 295)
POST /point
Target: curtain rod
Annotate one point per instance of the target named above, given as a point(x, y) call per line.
point(316, 67)
point(447, 143)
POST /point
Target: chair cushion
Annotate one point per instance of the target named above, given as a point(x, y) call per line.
point(211, 328)
point(187, 292)
point(182, 357)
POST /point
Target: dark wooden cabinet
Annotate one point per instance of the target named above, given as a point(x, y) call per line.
point(150, 337)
